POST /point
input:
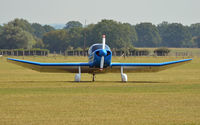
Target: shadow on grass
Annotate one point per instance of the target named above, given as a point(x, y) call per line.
point(119, 82)
point(134, 82)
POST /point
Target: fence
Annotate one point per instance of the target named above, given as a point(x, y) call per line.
point(115, 53)
point(41, 52)
point(37, 52)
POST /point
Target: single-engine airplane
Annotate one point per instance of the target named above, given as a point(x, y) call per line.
point(100, 56)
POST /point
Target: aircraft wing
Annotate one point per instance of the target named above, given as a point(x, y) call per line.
point(85, 67)
point(144, 67)
point(52, 67)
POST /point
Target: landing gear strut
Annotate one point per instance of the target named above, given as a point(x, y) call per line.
point(123, 75)
point(93, 77)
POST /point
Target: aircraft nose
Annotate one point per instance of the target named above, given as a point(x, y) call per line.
point(103, 52)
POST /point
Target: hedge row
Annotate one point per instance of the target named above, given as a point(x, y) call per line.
point(162, 51)
point(134, 52)
point(45, 52)
point(25, 52)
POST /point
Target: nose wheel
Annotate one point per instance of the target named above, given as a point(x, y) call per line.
point(93, 77)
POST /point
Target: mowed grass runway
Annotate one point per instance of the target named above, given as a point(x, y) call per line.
point(170, 97)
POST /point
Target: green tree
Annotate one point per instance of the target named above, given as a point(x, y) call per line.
point(48, 28)
point(175, 35)
point(195, 29)
point(117, 34)
point(39, 30)
point(24, 24)
point(73, 24)
point(148, 35)
point(1, 28)
point(76, 37)
point(14, 37)
point(197, 41)
point(57, 40)
point(87, 34)
point(133, 35)
point(39, 43)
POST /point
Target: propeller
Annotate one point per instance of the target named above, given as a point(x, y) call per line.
point(103, 47)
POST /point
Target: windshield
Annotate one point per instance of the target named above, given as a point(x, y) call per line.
point(97, 46)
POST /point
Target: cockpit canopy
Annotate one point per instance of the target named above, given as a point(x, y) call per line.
point(97, 46)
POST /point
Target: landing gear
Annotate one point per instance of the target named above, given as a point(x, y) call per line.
point(123, 75)
point(93, 77)
point(78, 76)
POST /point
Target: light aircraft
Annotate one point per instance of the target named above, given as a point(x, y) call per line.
point(100, 56)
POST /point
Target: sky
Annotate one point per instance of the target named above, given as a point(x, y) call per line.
point(93, 11)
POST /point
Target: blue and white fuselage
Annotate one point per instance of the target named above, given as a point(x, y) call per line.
point(95, 55)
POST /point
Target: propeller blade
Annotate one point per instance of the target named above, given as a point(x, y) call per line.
point(103, 47)
point(102, 63)
point(104, 42)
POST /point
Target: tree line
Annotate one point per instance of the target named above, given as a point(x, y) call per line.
point(20, 34)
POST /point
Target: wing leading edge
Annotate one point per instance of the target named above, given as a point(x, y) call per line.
point(145, 67)
point(52, 67)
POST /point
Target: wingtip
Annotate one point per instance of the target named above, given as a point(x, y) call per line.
point(183, 60)
point(188, 59)
point(11, 59)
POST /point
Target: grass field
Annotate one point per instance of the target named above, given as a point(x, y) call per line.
point(170, 97)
